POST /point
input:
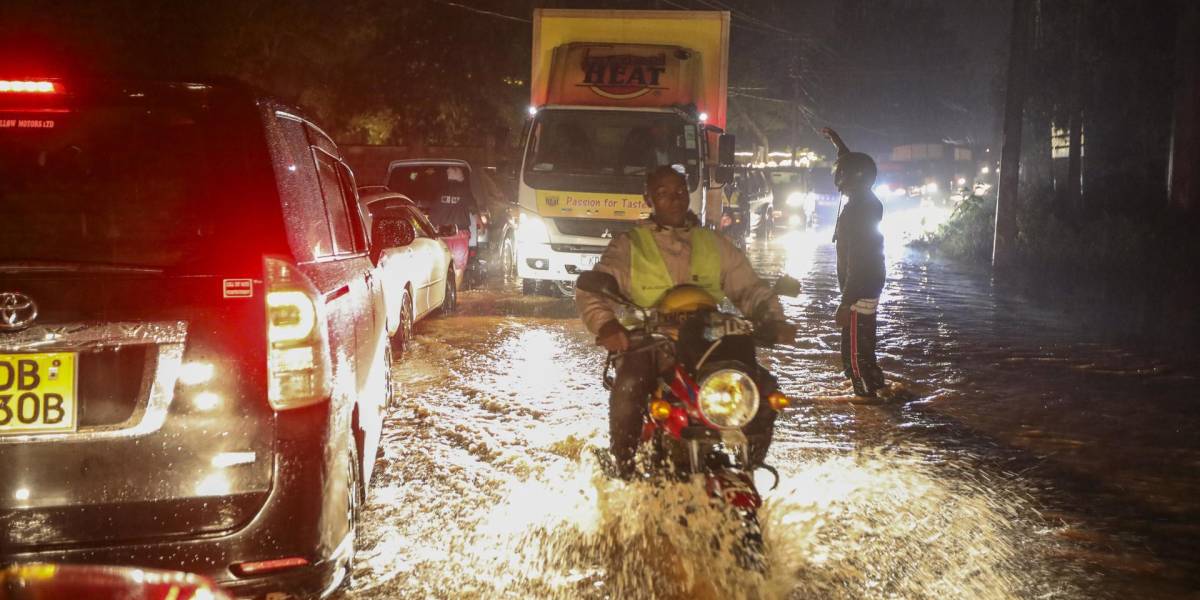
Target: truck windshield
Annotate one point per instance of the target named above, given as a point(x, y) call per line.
point(608, 143)
point(114, 184)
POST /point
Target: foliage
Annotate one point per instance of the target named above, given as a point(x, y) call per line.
point(968, 233)
point(1110, 246)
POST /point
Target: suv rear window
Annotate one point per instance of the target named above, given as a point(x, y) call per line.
point(128, 180)
point(442, 191)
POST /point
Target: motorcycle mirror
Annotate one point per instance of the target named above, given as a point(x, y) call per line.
point(599, 282)
point(787, 285)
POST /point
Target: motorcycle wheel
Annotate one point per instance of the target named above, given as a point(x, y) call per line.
point(751, 552)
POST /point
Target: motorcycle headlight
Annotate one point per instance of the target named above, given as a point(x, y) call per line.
point(728, 399)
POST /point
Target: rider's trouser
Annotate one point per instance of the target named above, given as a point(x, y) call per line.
point(635, 380)
point(858, 349)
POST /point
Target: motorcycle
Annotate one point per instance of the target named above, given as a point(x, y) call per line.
point(709, 394)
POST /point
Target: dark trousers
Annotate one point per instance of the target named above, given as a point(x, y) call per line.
point(636, 378)
point(858, 355)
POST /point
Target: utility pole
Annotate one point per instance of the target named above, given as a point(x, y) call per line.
point(1004, 248)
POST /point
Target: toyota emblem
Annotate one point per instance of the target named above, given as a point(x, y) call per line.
point(17, 311)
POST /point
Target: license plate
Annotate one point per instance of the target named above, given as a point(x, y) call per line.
point(588, 261)
point(37, 393)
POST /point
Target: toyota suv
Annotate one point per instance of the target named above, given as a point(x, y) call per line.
point(193, 361)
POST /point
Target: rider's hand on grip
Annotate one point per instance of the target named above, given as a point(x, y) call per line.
point(613, 336)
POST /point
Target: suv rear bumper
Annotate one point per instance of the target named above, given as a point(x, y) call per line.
point(276, 531)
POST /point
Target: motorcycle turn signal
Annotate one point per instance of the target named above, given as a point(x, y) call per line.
point(779, 401)
point(660, 410)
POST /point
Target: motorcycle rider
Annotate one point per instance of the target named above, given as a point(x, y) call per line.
point(666, 250)
point(860, 267)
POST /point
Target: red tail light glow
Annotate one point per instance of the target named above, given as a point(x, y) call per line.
point(267, 566)
point(27, 87)
point(298, 350)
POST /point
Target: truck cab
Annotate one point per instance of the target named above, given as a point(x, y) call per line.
point(582, 179)
point(614, 95)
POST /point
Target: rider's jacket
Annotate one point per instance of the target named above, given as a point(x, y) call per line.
point(737, 279)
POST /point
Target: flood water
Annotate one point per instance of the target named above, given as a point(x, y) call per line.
point(1043, 455)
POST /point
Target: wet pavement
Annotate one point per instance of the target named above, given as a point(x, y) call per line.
point(1045, 454)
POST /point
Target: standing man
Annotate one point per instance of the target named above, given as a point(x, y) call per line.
point(860, 266)
point(667, 250)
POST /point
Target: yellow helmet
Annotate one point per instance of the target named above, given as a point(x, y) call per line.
point(685, 299)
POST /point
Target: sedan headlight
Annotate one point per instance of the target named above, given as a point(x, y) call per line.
point(531, 229)
point(728, 399)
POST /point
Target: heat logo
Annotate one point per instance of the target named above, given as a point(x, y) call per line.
point(623, 77)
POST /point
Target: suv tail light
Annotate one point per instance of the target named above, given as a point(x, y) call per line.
point(298, 367)
point(28, 87)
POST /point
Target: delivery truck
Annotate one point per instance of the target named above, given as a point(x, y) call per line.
point(613, 95)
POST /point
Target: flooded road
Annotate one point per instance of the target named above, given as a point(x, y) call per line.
point(1042, 457)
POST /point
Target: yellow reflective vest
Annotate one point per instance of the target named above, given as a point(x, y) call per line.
point(649, 277)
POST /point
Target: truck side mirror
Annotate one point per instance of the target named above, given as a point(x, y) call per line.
point(725, 158)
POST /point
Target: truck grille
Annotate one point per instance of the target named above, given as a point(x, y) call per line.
point(578, 248)
point(596, 228)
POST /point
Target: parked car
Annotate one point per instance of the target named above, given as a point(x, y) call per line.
point(193, 361)
point(449, 192)
point(416, 267)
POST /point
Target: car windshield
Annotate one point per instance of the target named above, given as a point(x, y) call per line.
point(116, 184)
point(592, 142)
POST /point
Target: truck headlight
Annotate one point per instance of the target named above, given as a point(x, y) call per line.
point(531, 229)
point(795, 199)
point(728, 399)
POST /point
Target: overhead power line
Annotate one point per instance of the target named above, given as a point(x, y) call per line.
point(743, 22)
point(483, 12)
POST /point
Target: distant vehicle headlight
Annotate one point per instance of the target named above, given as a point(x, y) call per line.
point(532, 229)
point(795, 199)
point(728, 399)
point(794, 221)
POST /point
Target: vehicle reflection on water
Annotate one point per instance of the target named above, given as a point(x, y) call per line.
point(1034, 461)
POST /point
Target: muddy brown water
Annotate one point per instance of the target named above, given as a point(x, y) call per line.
point(1044, 455)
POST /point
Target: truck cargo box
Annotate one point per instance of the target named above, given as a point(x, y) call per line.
point(631, 58)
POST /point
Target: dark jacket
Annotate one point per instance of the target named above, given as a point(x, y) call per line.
point(860, 248)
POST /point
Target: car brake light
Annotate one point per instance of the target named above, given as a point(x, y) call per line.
point(299, 372)
point(269, 566)
point(27, 87)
